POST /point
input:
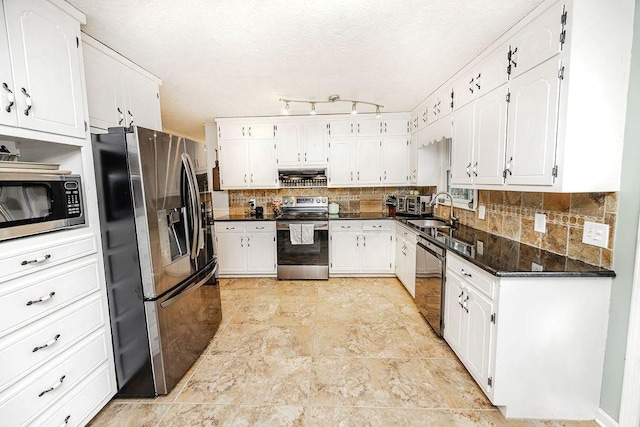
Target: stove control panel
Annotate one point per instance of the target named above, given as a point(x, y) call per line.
point(313, 202)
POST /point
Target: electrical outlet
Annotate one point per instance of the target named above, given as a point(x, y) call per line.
point(536, 267)
point(480, 247)
point(540, 224)
point(596, 234)
point(481, 211)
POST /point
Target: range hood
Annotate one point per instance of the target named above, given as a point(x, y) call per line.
point(302, 177)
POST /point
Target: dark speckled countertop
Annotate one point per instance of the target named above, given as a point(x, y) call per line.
point(507, 258)
point(244, 218)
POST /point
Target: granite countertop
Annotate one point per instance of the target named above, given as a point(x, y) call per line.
point(507, 258)
point(361, 215)
point(244, 217)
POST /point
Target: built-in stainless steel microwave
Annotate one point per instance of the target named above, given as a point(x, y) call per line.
point(32, 203)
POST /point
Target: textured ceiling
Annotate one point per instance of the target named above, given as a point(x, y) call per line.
point(222, 58)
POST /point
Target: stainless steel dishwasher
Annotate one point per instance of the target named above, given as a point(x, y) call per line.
point(430, 276)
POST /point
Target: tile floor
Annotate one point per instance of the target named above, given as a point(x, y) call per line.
point(342, 352)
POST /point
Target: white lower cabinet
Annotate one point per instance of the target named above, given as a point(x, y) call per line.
point(361, 247)
point(246, 248)
point(406, 257)
point(534, 345)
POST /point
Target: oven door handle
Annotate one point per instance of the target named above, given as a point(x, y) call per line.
point(316, 226)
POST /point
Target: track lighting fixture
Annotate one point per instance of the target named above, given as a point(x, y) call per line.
point(330, 100)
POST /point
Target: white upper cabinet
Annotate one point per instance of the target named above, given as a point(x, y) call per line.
point(396, 127)
point(395, 160)
point(481, 78)
point(533, 115)
point(234, 164)
point(490, 135)
point(262, 162)
point(414, 120)
point(368, 156)
point(423, 115)
point(537, 41)
point(246, 130)
point(462, 163)
point(368, 127)
point(289, 144)
point(341, 128)
point(302, 143)
point(45, 62)
point(7, 89)
point(342, 154)
point(119, 93)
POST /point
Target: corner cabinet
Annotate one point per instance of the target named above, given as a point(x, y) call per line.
point(361, 248)
point(119, 93)
point(521, 346)
point(40, 70)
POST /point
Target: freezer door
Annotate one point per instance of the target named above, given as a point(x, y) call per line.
point(181, 325)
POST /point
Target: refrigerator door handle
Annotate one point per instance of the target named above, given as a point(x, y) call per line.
point(192, 287)
point(198, 214)
point(195, 223)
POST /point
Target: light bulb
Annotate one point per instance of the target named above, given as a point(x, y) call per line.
point(313, 108)
point(354, 109)
point(378, 113)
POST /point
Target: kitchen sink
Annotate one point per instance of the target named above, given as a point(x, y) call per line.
point(428, 223)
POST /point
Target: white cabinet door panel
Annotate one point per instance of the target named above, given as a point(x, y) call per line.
point(376, 252)
point(261, 253)
point(464, 90)
point(262, 164)
point(453, 321)
point(104, 89)
point(341, 159)
point(368, 161)
point(232, 256)
point(413, 158)
point(289, 144)
point(232, 130)
point(341, 128)
point(7, 90)
point(369, 127)
point(345, 252)
point(234, 162)
point(260, 130)
point(143, 101)
point(491, 72)
point(533, 117)
point(490, 137)
point(537, 41)
point(478, 334)
point(45, 58)
point(462, 145)
point(395, 127)
point(395, 160)
point(315, 144)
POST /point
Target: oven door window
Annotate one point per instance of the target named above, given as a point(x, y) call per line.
point(313, 254)
point(24, 204)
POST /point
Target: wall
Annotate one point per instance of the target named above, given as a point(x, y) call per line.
point(511, 214)
point(625, 242)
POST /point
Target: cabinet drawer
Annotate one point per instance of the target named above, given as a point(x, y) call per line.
point(81, 403)
point(52, 381)
point(377, 225)
point(408, 234)
point(262, 226)
point(23, 301)
point(39, 342)
point(472, 274)
point(36, 258)
point(230, 227)
point(346, 226)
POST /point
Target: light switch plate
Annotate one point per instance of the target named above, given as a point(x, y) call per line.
point(481, 211)
point(536, 267)
point(540, 224)
point(596, 234)
point(480, 247)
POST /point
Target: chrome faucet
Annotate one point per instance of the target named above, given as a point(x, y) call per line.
point(435, 200)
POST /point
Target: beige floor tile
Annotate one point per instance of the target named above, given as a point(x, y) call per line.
point(188, 414)
point(363, 341)
point(279, 381)
point(456, 385)
point(276, 312)
point(276, 416)
point(134, 414)
point(373, 382)
point(264, 340)
point(219, 379)
point(330, 416)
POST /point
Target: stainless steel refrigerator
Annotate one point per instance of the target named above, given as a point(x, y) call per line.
point(164, 300)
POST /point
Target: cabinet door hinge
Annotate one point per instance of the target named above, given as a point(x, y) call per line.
point(493, 318)
point(331, 265)
point(490, 381)
point(407, 142)
point(77, 42)
point(380, 143)
point(554, 171)
point(561, 73)
point(391, 238)
point(452, 94)
point(563, 33)
point(274, 239)
point(508, 97)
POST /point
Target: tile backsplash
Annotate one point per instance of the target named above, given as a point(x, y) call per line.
point(508, 213)
point(511, 214)
point(351, 200)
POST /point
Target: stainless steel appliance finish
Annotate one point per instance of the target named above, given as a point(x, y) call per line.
point(414, 206)
point(302, 177)
point(303, 261)
point(164, 300)
point(32, 203)
point(430, 276)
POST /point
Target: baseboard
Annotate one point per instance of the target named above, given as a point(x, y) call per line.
point(603, 419)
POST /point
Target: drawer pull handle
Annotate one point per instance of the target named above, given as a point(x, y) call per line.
point(230, 228)
point(259, 228)
point(42, 299)
point(66, 421)
point(465, 304)
point(47, 344)
point(465, 273)
point(345, 226)
point(36, 261)
point(53, 387)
